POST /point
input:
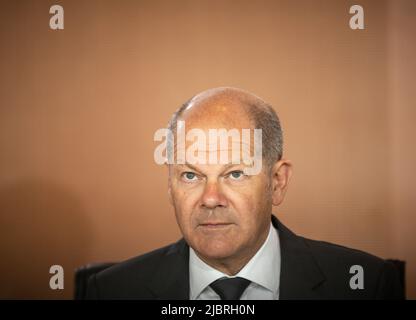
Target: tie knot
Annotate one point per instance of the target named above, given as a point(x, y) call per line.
point(230, 288)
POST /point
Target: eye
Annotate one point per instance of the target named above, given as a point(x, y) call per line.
point(236, 175)
point(189, 176)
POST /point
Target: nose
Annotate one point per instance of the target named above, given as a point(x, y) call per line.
point(213, 197)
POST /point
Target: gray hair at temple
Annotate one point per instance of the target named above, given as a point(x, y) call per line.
point(260, 113)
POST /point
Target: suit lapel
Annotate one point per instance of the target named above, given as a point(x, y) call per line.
point(300, 275)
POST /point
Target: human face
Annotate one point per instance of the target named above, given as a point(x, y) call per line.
point(222, 213)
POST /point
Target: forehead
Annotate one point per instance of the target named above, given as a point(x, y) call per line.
point(217, 114)
point(215, 119)
point(208, 144)
point(216, 131)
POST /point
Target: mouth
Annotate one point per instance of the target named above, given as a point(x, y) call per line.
point(214, 225)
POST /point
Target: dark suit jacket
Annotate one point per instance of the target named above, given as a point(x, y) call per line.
point(309, 270)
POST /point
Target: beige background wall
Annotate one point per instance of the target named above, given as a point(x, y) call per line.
point(79, 107)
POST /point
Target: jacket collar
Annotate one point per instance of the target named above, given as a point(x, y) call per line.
point(300, 275)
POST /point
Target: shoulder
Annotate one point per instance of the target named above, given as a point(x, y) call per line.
point(143, 263)
point(130, 277)
point(334, 254)
point(340, 264)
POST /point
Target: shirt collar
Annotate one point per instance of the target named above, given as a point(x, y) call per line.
point(262, 269)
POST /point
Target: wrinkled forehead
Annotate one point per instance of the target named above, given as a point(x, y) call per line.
point(216, 131)
point(214, 139)
point(223, 119)
point(218, 146)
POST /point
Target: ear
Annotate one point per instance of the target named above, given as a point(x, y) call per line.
point(280, 175)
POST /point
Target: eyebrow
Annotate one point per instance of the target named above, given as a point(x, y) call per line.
point(228, 166)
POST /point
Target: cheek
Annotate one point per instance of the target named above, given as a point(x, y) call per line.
point(242, 204)
point(185, 201)
point(250, 203)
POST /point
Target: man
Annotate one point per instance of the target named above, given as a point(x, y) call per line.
point(232, 246)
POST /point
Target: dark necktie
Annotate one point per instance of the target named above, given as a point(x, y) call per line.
point(230, 288)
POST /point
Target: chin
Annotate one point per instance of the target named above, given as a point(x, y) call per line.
point(216, 249)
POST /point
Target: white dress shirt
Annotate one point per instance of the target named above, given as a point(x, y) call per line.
point(263, 270)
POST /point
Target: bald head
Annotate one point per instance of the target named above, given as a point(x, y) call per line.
point(227, 107)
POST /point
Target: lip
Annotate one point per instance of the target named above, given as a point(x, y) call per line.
point(215, 225)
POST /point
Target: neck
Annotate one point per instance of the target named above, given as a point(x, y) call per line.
point(233, 264)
